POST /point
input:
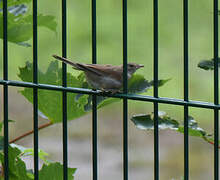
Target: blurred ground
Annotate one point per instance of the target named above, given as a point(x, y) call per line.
point(110, 145)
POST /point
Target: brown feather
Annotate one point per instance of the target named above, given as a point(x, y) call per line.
point(107, 70)
point(77, 66)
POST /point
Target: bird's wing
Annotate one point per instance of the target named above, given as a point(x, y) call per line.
point(84, 67)
point(107, 70)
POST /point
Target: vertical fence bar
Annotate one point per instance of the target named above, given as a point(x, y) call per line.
point(35, 90)
point(216, 93)
point(94, 99)
point(156, 133)
point(125, 91)
point(64, 80)
point(186, 89)
point(5, 77)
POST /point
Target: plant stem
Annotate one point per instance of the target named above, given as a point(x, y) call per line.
point(29, 132)
point(209, 141)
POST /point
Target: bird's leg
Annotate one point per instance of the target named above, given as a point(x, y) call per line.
point(110, 91)
point(114, 91)
point(105, 91)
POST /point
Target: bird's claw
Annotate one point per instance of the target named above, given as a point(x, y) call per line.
point(112, 92)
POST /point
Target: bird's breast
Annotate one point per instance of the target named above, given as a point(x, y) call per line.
point(103, 82)
point(111, 83)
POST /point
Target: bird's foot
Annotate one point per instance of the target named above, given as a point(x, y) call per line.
point(109, 91)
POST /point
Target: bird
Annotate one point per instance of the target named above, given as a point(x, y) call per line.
point(107, 78)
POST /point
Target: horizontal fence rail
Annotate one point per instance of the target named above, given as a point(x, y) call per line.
point(163, 100)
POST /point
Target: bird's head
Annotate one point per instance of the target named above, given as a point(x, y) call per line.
point(132, 67)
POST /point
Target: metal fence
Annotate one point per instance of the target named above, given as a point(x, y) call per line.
point(185, 102)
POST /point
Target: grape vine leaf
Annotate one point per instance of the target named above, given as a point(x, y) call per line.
point(17, 167)
point(18, 170)
point(25, 152)
point(20, 26)
point(15, 2)
point(55, 171)
point(146, 122)
point(208, 64)
point(50, 102)
point(137, 84)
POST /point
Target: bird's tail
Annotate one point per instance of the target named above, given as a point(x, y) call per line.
point(65, 60)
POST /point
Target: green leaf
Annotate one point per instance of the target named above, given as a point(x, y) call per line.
point(1, 137)
point(30, 152)
point(1, 125)
point(137, 84)
point(20, 26)
point(20, 29)
point(15, 2)
point(17, 9)
point(194, 130)
point(17, 168)
point(47, 21)
point(1, 142)
point(54, 171)
point(18, 171)
point(146, 122)
point(42, 155)
point(208, 64)
point(50, 102)
point(163, 82)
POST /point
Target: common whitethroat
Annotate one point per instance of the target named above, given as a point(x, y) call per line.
point(107, 78)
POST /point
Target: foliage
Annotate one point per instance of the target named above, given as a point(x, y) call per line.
point(146, 122)
point(20, 26)
point(208, 64)
point(18, 170)
point(17, 167)
point(15, 2)
point(50, 102)
point(30, 152)
point(19, 31)
point(55, 171)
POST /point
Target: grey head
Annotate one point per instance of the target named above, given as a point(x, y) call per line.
point(132, 67)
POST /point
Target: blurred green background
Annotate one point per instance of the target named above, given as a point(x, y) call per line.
point(109, 51)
